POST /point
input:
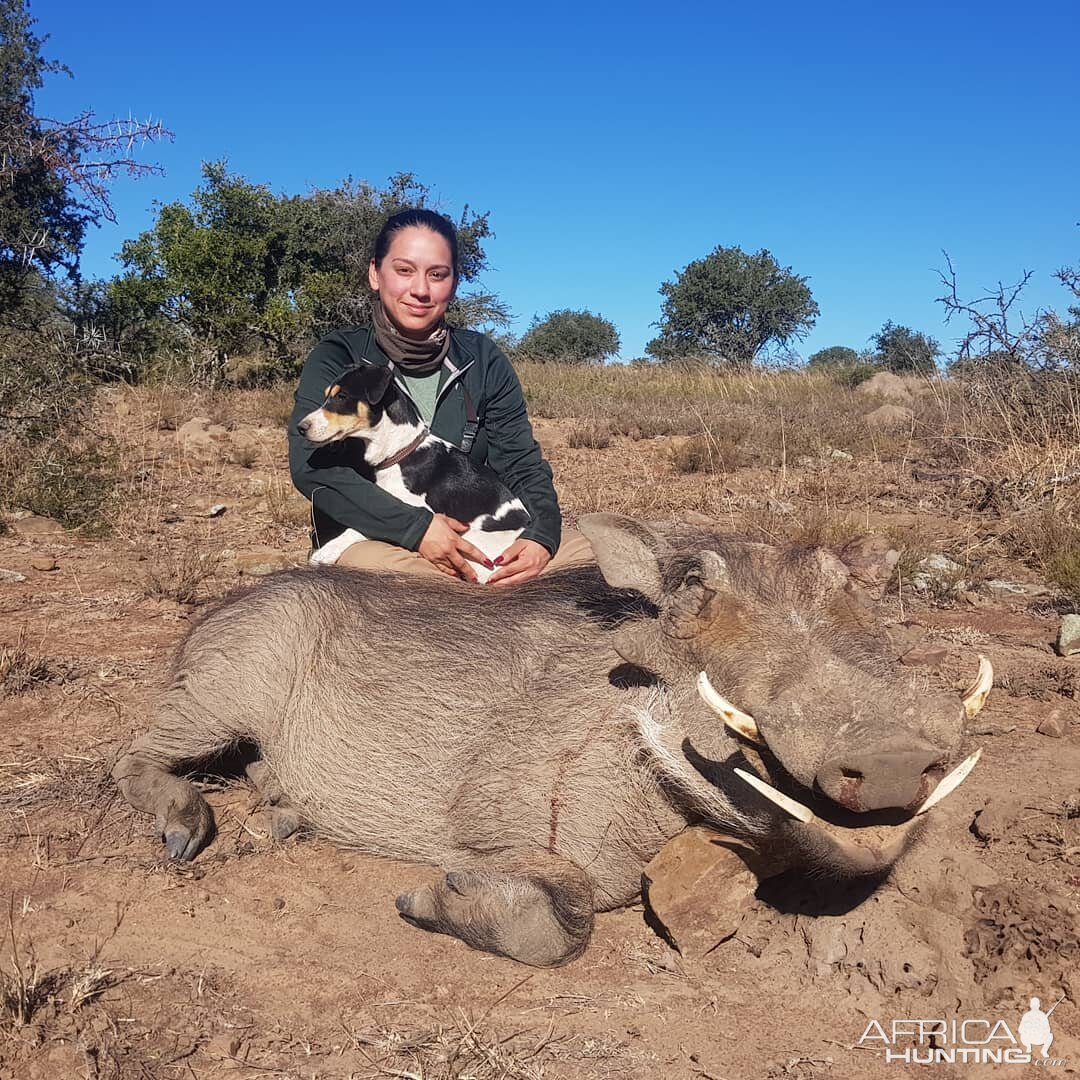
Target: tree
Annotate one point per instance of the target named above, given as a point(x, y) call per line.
point(243, 270)
point(834, 356)
point(729, 306)
point(54, 174)
point(570, 337)
point(903, 350)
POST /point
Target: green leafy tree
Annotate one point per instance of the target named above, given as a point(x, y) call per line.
point(54, 174)
point(243, 270)
point(729, 306)
point(903, 350)
point(834, 356)
point(570, 337)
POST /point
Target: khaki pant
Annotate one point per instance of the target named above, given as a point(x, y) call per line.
point(377, 555)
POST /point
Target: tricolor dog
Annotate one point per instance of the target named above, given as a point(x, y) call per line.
point(412, 464)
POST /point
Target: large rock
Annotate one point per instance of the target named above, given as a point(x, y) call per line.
point(1068, 641)
point(700, 887)
point(887, 386)
point(886, 417)
point(36, 526)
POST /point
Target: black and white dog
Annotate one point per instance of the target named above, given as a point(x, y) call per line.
point(412, 464)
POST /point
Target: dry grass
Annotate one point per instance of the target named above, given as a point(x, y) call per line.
point(22, 668)
point(285, 505)
point(589, 435)
point(180, 573)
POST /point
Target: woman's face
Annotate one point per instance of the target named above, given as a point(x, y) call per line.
point(415, 281)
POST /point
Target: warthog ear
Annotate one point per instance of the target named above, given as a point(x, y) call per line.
point(626, 551)
point(708, 576)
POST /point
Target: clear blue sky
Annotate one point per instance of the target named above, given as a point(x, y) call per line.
point(615, 143)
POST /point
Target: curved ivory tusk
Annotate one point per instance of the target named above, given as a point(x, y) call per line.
point(952, 781)
point(795, 809)
point(739, 722)
point(976, 694)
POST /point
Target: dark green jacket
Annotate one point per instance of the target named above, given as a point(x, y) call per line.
point(339, 483)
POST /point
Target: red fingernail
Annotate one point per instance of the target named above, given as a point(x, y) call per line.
point(489, 564)
point(498, 561)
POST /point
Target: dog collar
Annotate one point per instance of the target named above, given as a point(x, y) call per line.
point(401, 455)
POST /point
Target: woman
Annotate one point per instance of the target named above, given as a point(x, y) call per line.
point(467, 393)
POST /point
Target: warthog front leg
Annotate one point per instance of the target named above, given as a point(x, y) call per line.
point(536, 908)
point(145, 776)
point(184, 818)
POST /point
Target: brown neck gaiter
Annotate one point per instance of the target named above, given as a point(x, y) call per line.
point(413, 357)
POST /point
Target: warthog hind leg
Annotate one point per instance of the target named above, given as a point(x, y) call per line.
point(535, 908)
point(284, 817)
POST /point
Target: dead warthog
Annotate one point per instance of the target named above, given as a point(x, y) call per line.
point(542, 743)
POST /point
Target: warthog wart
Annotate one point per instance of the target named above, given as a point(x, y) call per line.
point(541, 744)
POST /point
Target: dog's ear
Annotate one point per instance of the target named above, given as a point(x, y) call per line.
point(384, 379)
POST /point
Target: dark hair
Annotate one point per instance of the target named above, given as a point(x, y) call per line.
point(424, 219)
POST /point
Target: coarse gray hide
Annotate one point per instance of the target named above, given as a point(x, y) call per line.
point(541, 743)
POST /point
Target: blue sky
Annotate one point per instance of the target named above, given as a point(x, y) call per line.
point(615, 143)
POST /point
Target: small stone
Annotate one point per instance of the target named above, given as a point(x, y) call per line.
point(1054, 726)
point(44, 563)
point(994, 820)
point(700, 887)
point(36, 526)
point(279, 903)
point(216, 510)
point(841, 455)
point(1068, 641)
point(928, 655)
point(11, 577)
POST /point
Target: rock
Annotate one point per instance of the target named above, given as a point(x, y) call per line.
point(11, 577)
point(996, 818)
point(939, 564)
point(258, 562)
point(216, 510)
point(889, 416)
point(44, 563)
point(841, 455)
point(929, 655)
point(885, 385)
point(1054, 726)
point(1006, 588)
point(36, 526)
point(1068, 641)
point(700, 887)
point(871, 561)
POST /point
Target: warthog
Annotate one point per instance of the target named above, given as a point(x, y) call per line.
point(542, 743)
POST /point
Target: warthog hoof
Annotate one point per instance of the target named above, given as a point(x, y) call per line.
point(187, 830)
point(284, 821)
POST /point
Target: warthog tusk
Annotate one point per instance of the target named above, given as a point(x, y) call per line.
point(952, 781)
point(795, 809)
point(975, 696)
point(738, 721)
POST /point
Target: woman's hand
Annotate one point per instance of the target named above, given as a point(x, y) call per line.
point(521, 561)
point(444, 548)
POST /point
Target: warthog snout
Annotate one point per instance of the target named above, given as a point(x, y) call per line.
point(886, 779)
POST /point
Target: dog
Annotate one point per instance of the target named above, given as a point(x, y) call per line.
point(412, 464)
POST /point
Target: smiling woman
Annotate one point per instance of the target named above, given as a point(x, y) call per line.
point(450, 413)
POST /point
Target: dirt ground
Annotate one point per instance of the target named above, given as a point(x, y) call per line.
point(269, 960)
